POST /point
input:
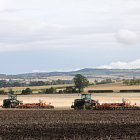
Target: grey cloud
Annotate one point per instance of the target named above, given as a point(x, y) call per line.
point(17, 32)
point(128, 37)
point(68, 23)
point(17, 10)
point(11, 10)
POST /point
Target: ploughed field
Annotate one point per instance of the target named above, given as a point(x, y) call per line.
point(70, 124)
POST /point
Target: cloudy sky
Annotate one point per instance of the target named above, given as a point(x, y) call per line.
point(62, 35)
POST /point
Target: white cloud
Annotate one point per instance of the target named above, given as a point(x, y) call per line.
point(123, 65)
point(54, 70)
point(38, 71)
point(127, 37)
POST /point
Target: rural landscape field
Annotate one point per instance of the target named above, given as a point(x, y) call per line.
point(70, 70)
point(65, 100)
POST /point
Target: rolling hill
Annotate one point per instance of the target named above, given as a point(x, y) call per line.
point(87, 72)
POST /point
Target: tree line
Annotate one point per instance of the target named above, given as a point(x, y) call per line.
point(4, 83)
point(130, 82)
point(80, 82)
point(106, 81)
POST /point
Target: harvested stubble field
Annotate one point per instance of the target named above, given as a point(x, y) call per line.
point(113, 86)
point(69, 124)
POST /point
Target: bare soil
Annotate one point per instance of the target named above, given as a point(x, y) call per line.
point(69, 124)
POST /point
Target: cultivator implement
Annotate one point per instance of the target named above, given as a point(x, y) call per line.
point(116, 108)
point(12, 102)
point(36, 106)
point(86, 103)
point(125, 105)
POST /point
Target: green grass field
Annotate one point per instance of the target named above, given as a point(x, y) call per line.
point(35, 89)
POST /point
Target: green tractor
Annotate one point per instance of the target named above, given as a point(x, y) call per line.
point(11, 102)
point(85, 103)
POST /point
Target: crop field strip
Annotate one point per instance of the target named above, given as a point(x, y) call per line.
point(69, 124)
point(114, 86)
point(34, 88)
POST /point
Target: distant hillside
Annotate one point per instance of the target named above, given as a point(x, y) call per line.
point(3, 76)
point(86, 72)
point(118, 72)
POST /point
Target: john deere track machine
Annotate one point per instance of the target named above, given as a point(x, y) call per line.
point(84, 103)
point(87, 103)
point(11, 102)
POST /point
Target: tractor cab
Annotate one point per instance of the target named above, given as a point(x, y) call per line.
point(86, 96)
point(12, 97)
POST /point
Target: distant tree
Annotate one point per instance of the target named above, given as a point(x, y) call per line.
point(15, 84)
point(106, 81)
point(11, 91)
point(3, 83)
point(60, 82)
point(51, 90)
point(131, 82)
point(48, 83)
point(26, 91)
point(71, 89)
point(80, 82)
point(37, 83)
point(61, 92)
point(2, 92)
point(96, 82)
point(126, 82)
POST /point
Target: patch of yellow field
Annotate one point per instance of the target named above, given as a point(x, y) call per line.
point(112, 86)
